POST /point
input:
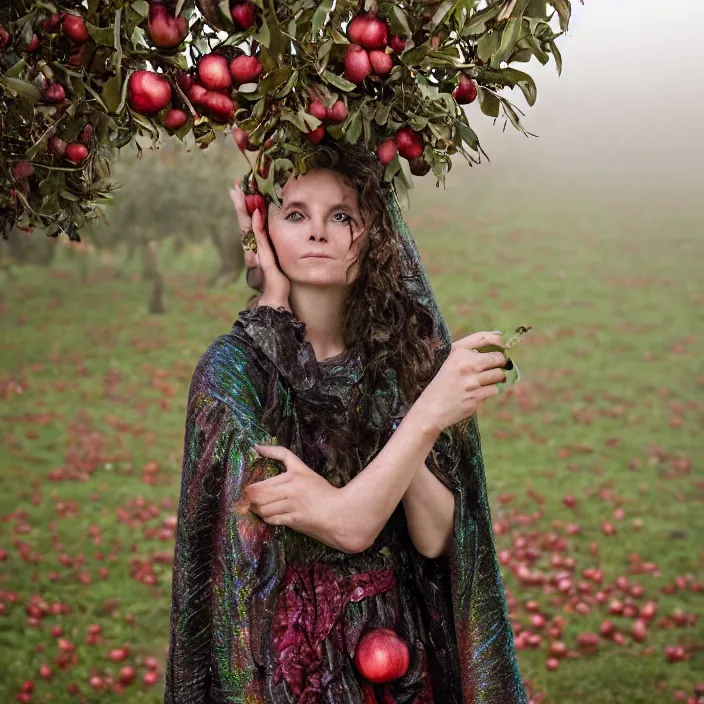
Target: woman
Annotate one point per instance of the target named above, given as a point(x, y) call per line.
point(378, 518)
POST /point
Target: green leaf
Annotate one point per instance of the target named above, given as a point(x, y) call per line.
point(511, 77)
point(320, 17)
point(468, 135)
point(392, 168)
point(263, 35)
point(299, 119)
point(101, 35)
point(337, 36)
point(534, 47)
point(277, 42)
point(564, 12)
point(509, 37)
point(123, 97)
point(324, 49)
point(382, 113)
point(477, 25)
point(289, 85)
point(537, 8)
point(439, 15)
point(354, 129)
point(512, 115)
point(311, 122)
point(138, 38)
point(558, 57)
point(489, 103)
point(338, 81)
point(406, 173)
point(396, 17)
point(16, 70)
point(141, 7)
point(27, 90)
point(272, 81)
point(225, 14)
point(414, 56)
point(111, 93)
point(487, 45)
point(401, 190)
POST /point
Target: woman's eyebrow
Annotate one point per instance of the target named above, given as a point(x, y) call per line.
point(301, 204)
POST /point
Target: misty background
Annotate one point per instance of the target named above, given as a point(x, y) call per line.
point(623, 120)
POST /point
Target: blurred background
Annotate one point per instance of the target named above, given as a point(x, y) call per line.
point(592, 233)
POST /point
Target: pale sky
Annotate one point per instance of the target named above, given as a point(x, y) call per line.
point(629, 103)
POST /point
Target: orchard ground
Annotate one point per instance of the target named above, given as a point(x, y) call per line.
point(609, 411)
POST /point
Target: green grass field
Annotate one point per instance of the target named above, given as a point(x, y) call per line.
point(610, 410)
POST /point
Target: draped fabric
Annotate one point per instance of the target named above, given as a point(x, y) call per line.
point(261, 613)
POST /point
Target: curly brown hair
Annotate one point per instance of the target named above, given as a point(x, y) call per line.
point(391, 330)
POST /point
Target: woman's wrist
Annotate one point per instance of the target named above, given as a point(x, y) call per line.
point(273, 302)
point(423, 420)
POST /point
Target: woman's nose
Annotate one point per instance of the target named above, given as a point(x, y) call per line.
point(317, 237)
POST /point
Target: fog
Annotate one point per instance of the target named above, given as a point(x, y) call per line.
point(625, 116)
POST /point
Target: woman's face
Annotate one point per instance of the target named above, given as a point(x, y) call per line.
point(318, 231)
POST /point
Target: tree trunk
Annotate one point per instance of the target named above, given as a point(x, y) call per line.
point(156, 303)
point(231, 258)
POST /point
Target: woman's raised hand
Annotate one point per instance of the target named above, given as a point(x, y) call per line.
point(263, 272)
point(466, 379)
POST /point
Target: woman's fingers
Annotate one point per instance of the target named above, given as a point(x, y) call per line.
point(273, 509)
point(265, 492)
point(275, 452)
point(480, 339)
point(264, 251)
point(491, 376)
point(238, 200)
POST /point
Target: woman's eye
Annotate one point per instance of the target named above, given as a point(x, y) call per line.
point(290, 215)
point(346, 217)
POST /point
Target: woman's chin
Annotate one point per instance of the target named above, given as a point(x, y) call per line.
point(318, 276)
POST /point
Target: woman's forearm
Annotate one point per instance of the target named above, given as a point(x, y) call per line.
point(430, 513)
point(370, 498)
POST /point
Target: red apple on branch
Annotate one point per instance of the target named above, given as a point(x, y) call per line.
point(337, 113)
point(317, 135)
point(381, 62)
point(76, 152)
point(33, 44)
point(466, 91)
point(368, 31)
point(148, 92)
point(175, 119)
point(52, 23)
point(245, 69)
point(357, 64)
point(221, 107)
point(197, 93)
point(317, 109)
point(409, 143)
point(54, 93)
point(243, 14)
point(166, 30)
point(74, 27)
point(213, 72)
point(397, 43)
point(241, 138)
point(254, 202)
